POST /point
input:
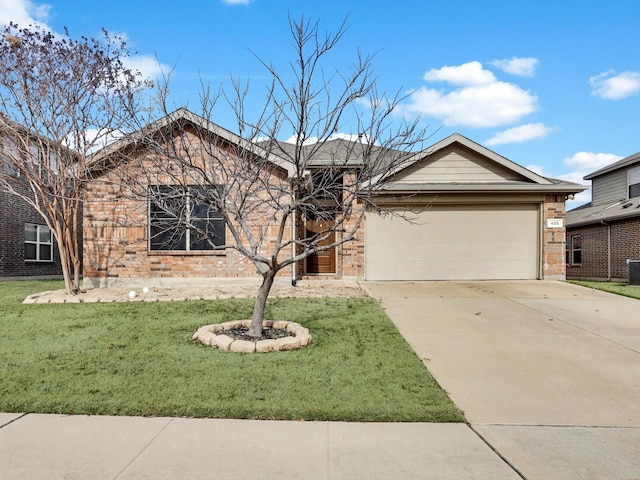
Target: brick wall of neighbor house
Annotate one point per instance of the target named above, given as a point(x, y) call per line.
point(14, 213)
point(625, 244)
point(116, 243)
point(553, 239)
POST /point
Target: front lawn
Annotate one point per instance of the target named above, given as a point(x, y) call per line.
point(611, 287)
point(139, 359)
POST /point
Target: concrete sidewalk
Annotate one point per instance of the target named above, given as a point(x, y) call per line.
point(87, 448)
point(548, 373)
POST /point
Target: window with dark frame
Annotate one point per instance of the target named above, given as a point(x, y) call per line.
point(38, 243)
point(183, 219)
point(327, 185)
point(634, 182)
point(576, 249)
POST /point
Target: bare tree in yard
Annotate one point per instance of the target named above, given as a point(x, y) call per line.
point(60, 99)
point(263, 189)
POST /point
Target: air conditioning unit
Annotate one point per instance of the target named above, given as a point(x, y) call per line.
point(634, 272)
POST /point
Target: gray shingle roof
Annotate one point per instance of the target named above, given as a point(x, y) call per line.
point(589, 214)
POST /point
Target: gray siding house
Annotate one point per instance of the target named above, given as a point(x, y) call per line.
point(604, 235)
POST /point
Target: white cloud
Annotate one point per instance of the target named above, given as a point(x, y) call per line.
point(611, 85)
point(477, 106)
point(579, 199)
point(147, 65)
point(93, 140)
point(580, 165)
point(470, 73)
point(520, 134)
point(474, 98)
point(23, 12)
point(589, 162)
point(523, 67)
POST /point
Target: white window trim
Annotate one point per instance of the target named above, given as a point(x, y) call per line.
point(632, 172)
point(38, 243)
point(573, 249)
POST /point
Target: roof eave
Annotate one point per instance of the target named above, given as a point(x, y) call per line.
point(593, 221)
point(620, 164)
point(185, 114)
point(564, 188)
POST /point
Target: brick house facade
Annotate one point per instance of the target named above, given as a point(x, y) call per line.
point(621, 237)
point(14, 214)
point(117, 230)
point(455, 177)
point(604, 235)
point(553, 239)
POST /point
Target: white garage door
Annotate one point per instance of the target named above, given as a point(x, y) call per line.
point(462, 242)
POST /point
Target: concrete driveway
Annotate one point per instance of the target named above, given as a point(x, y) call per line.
point(548, 373)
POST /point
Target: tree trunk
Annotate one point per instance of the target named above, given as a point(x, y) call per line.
point(255, 330)
point(66, 273)
point(70, 269)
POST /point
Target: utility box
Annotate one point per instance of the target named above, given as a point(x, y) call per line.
point(634, 272)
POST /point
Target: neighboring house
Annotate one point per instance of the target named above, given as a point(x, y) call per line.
point(27, 246)
point(473, 214)
point(602, 236)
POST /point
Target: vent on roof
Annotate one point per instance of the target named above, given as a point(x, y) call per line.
point(627, 205)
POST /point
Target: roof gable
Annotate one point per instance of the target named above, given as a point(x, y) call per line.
point(458, 160)
point(183, 116)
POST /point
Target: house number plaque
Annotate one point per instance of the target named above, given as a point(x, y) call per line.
point(554, 223)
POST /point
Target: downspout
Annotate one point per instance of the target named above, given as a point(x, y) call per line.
point(608, 249)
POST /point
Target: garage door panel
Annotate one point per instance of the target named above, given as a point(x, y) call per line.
point(454, 242)
point(456, 270)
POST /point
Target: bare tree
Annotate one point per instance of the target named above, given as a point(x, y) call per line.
point(60, 99)
point(252, 192)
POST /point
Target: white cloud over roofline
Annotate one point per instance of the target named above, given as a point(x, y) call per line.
point(473, 98)
point(580, 164)
point(520, 134)
point(611, 85)
point(478, 106)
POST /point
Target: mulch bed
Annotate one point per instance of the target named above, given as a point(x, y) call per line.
point(268, 333)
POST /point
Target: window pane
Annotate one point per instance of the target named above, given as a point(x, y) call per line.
point(206, 232)
point(634, 190)
point(168, 235)
point(577, 257)
point(167, 213)
point(576, 242)
point(634, 176)
point(30, 233)
point(45, 252)
point(44, 235)
point(30, 251)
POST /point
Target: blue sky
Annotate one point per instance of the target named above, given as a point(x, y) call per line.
point(553, 85)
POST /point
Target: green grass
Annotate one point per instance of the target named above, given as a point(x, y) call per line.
point(611, 287)
point(139, 359)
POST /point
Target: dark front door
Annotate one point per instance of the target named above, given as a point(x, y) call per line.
point(324, 261)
